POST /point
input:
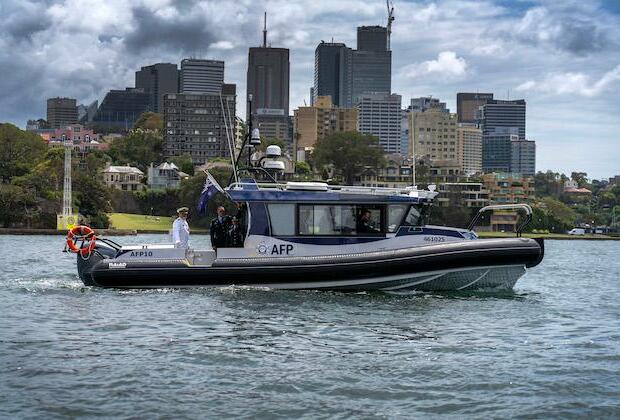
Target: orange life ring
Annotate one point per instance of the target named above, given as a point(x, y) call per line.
point(84, 233)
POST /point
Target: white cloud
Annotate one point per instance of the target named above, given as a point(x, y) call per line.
point(447, 65)
point(572, 83)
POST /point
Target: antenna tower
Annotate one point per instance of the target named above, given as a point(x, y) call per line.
point(265, 31)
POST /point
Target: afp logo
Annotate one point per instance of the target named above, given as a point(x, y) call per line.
point(275, 249)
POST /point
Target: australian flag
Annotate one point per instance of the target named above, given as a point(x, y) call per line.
point(211, 187)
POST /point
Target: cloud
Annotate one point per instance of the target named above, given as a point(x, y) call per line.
point(447, 65)
point(25, 21)
point(573, 32)
point(168, 28)
point(572, 83)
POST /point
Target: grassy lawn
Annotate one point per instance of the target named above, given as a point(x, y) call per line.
point(140, 222)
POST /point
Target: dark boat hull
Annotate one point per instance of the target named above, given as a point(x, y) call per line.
point(452, 266)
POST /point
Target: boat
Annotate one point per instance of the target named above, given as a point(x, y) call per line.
point(311, 235)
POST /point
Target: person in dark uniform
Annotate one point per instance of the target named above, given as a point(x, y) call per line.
point(364, 223)
point(235, 234)
point(219, 229)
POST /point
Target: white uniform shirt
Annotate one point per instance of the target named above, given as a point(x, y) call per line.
point(180, 233)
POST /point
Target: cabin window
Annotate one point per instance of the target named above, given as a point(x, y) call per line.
point(282, 218)
point(339, 220)
point(395, 216)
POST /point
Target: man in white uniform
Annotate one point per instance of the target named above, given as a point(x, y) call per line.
point(180, 229)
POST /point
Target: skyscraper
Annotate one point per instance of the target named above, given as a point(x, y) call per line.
point(470, 139)
point(157, 80)
point(433, 136)
point(121, 108)
point(467, 105)
point(380, 116)
point(268, 83)
point(503, 114)
point(195, 124)
point(61, 112)
point(372, 63)
point(497, 149)
point(332, 73)
point(523, 157)
point(201, 76)
point(346, 74)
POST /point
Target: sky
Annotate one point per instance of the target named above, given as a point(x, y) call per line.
point(561, 56)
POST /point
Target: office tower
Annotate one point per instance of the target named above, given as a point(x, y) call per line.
point(433, 137)
point(523, 157)
point(497, 149)
point(196, 124)
point(86, 113)
point(380, 115)
point(372, 63)
point(157, 80)
point(61, 112)
point(467, 105)
point(268, 83)
point(425, 103)
point(120, 109)
point(312, 123)
point(333, 73)
point(503, 114)
point(201, 76)
point(470, 138)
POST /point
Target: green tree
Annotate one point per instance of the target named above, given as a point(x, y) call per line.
point(149, 121)
point(138, 148)
point(92, 198)
point(185, 163)
point(348, 153)
point(20, 151)
point(14, 204)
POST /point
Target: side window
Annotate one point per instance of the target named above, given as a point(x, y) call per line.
point(282, 217)
point(321, 219)
point(395, 216)
point(369, 220)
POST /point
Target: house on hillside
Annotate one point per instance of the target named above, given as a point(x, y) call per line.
point(165, 175)
point(124, 178)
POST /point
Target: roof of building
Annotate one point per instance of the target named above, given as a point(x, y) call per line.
point(167, 166)
point(123, 170)
point(578, 191)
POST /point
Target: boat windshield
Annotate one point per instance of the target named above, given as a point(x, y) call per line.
point(415, 216)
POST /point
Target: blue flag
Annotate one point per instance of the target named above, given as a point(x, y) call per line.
point(210, 189)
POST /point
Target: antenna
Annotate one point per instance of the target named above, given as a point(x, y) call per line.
point(265, 32)
point(390, 19)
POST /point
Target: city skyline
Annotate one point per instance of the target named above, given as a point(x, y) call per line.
point(564, 60)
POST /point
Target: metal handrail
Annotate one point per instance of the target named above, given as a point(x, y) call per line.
point(516, 206)
point(341, 188)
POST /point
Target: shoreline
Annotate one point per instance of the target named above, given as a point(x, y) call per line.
point(134, 232)
point(98, 232)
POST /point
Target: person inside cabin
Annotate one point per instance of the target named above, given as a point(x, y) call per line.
point(365, 223)
point(219, 229)
point(235, 234)
point(180, 229)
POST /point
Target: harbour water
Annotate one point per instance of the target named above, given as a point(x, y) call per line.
point(550, 348)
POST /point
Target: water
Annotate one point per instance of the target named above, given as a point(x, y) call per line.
point(551, 348)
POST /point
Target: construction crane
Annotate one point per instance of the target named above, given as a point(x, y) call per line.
point(390, 19)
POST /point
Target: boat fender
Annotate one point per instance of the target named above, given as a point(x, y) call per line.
point(81, 233)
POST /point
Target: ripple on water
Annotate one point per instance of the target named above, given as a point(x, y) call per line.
point(547, 349)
